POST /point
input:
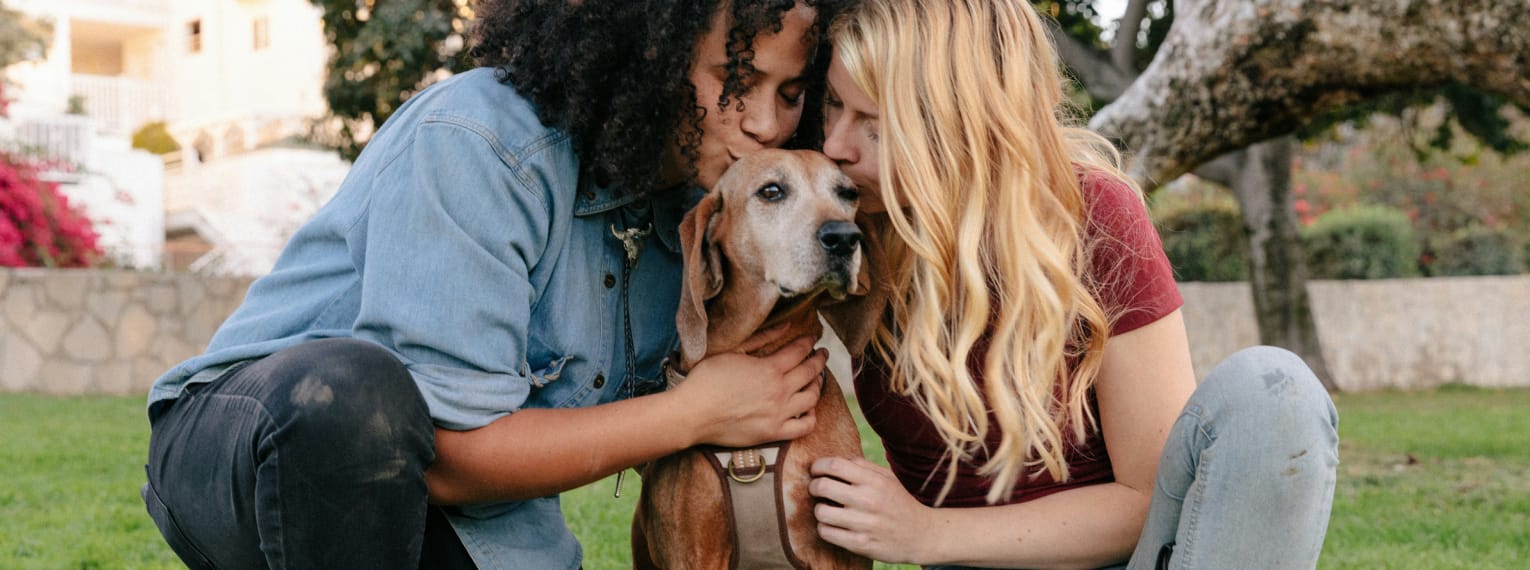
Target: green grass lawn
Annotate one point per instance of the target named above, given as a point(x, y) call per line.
point(1428, 480)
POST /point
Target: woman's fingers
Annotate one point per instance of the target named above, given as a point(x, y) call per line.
point(836, 516)
point(761, 399)
point(839, 537)
point(792, 354)
point(809, 373)
point(762, 339)
point(832, 489)
point(847, 470)
point(798, 426)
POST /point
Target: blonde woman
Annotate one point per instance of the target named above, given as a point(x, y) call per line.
point(1030, 377)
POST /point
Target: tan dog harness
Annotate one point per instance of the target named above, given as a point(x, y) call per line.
point(756, 506)
point(754, 500)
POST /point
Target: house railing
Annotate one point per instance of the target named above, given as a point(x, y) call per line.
point(60, 143)
point(121, 104)
point(145, 5)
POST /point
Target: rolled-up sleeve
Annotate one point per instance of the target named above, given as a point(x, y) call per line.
point(450, 239)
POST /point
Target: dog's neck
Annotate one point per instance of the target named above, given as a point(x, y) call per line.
point(738, 312)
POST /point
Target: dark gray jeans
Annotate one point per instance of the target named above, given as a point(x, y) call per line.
point(313, 457)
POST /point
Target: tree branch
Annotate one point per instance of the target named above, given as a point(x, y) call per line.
point(1231, 74)
point(1123, 51)
point(1092, 68)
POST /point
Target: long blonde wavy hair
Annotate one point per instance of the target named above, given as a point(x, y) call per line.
point(980, 164)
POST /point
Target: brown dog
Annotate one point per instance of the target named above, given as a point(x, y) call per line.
point(776, 239)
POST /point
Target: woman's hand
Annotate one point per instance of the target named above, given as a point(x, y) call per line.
point(742, 400)
point(871, 513)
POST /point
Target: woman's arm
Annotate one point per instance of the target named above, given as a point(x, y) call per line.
point(1144, 381)
point(728, 399)
point(434, 232)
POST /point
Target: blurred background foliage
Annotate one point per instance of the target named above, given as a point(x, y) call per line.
point(1466, 206)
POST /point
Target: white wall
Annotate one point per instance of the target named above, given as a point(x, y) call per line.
point(254, 201)
point(122, 191)
point(1389, 333)
point(229, 80)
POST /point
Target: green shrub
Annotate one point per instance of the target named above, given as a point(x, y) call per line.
point(1205, 244)
point(1475, 250)
point(1365, 242)
point(154, 138)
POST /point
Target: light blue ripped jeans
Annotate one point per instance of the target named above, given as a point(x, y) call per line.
point(1246, 478)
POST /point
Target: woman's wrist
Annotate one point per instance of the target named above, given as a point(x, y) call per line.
point(691, 420)
point(928, 548)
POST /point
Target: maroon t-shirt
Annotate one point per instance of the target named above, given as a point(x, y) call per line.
point(1137, 288)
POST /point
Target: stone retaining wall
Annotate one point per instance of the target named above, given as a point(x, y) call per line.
point(113, 332)
point(1391, 333)
point(104, 332)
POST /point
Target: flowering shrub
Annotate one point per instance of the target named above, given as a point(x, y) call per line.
point(1468, 206)
point(38, 225)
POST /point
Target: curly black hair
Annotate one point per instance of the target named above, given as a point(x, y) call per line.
point(614, 74)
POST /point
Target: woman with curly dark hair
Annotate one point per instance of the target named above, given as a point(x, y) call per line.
point(476, 321)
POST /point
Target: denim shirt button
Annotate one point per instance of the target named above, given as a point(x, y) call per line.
point(600, 381)
point(610, 280)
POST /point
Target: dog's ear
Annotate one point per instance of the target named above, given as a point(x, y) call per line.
point(855, 319)
point(703, 275)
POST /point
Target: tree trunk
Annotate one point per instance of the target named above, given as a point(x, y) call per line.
point(1260, 177)
point(1277, 266)
point(1231, 74)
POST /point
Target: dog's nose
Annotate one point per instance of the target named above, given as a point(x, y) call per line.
point(839, 238)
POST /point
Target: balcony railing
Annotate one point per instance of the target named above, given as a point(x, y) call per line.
point(89, 6)
point(121, 104)
point(61, 144)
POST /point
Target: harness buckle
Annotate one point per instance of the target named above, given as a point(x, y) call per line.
point(750, 458)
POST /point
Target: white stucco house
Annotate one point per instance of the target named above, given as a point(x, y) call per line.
point(234, 81)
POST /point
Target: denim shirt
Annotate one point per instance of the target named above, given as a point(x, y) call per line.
point(464, 241)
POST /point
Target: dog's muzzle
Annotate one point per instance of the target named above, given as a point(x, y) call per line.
point(839, 238)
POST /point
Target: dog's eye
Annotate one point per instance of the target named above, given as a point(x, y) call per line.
point(771, 193)
point(848, 194)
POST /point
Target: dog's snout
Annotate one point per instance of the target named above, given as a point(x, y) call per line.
point(839, 238)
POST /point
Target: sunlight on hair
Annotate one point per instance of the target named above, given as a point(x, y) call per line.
point(981, 170)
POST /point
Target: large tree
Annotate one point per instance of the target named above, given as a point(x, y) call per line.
point(1232, 74)
point(383, 52)
point(1259, 176)
point(1239, 79)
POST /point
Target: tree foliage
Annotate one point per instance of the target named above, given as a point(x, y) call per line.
point(1078, 18)
point(383, 52)
point(1468, 110)
point(21, 38)
point(1465, 109)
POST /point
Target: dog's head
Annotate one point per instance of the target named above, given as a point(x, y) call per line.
point(779, 225)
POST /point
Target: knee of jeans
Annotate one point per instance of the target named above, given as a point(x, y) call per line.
point(1266, 385)
point(342, 385)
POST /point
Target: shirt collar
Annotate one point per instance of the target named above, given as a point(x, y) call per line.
point(669, 207)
